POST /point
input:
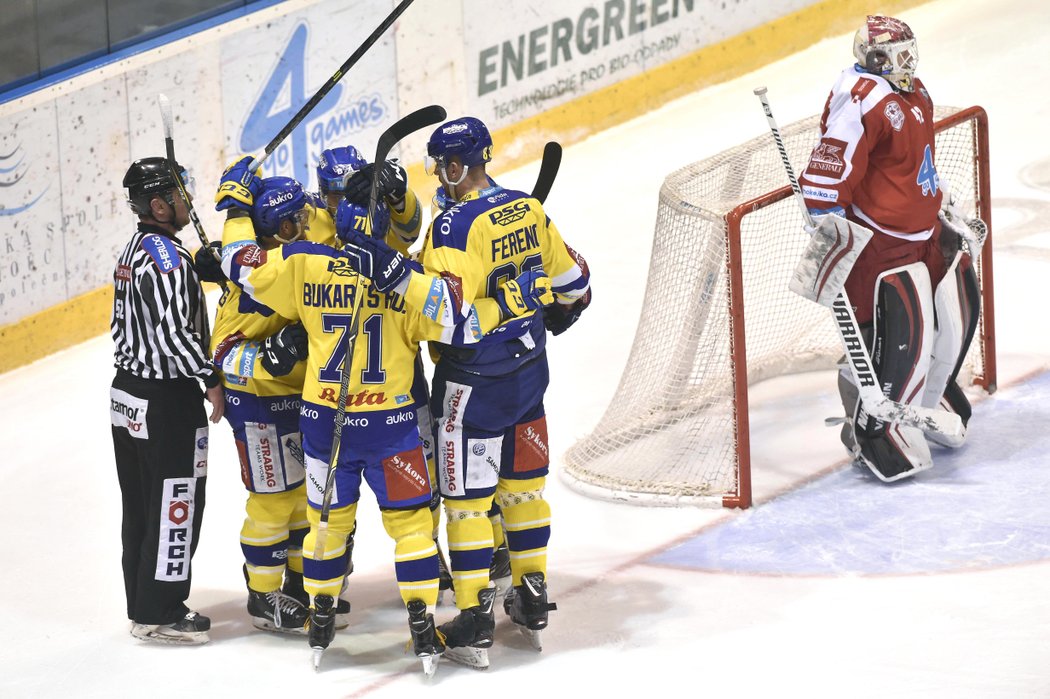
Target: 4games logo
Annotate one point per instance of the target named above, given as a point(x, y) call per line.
point(333, 122)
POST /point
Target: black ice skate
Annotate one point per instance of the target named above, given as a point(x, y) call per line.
point(499, 571)
point(190, 630)
point(527, 606)
point(425, 642)
point(322, 626)
point(276, 611)
point(468, 637)
point(293, 587)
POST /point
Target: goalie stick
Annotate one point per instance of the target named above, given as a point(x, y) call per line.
point(548, 171)
point(169, 145)
point(411, 123)
point(873, 401)
point(329, 84)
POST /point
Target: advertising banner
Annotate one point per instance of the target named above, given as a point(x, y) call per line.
point(559, 50)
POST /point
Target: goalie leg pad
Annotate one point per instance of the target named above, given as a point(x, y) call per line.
point(957, 303)
point(901, 353)
point(833, 249)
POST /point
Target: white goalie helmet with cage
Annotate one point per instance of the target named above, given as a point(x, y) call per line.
point(886, 46)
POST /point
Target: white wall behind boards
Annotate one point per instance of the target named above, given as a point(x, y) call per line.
point(65, 148)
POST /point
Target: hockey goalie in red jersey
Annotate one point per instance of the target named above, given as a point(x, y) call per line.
point(913, 287)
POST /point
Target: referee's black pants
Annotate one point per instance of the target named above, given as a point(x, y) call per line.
point(160, 440)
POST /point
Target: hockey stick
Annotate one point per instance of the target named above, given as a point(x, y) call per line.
point(873, 401)
point(169, 145)
point(329, 84)
point(411, 123)
point(548, 171)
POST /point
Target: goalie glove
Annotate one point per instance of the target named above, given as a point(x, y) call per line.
point(972, 231)
point(833, 249)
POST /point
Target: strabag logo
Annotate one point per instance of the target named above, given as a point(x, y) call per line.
point(176, 529)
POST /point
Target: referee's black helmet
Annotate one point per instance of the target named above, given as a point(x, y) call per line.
point(148, 178)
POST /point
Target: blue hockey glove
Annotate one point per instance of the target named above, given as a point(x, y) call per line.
point(530, 291)
point(206, 263)
point(374, 259)
point(559, 317)
point(238, 186)
point(284, 348)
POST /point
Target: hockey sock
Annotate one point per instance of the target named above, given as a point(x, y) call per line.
point(527, 517)
point(415, 555)
point(469, 547)
point(325, 576)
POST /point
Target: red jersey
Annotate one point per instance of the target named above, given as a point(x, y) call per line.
point(875, 158)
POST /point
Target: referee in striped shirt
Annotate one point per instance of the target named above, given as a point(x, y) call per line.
point(160, 431)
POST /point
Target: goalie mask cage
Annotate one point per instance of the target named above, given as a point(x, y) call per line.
point(728, 235)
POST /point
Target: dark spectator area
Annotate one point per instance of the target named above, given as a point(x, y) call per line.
point(41, 37)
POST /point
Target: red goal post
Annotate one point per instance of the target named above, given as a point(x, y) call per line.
point(727, 237)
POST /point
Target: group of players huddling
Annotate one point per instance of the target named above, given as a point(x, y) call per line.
point(492, 277)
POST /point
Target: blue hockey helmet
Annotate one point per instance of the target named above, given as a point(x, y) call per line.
point(350, 216)
point(334, 165)
point(280, 199)
point(466, 137)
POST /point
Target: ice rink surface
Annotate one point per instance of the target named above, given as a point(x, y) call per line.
point(834, 585)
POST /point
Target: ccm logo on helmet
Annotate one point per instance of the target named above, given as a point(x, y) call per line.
point(454, 128)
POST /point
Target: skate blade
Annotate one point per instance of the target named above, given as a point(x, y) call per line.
point(267, 625)
point(317, 653)
point(474, 658)
point(533, 637)
point(184, 639)
point(430, 663)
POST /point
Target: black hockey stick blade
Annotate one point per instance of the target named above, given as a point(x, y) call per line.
point(330, 83)
point(406, 125)
point(548, 171)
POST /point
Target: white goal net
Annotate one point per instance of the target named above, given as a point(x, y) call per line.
point(728, 234)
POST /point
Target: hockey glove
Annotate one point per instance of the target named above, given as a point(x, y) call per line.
point(530, 291)
point(393, 183)
point(283, 349)
point(375, 260)
point(559, 317)
point(238, 186)
point(206, 263)
point(972, 231)
point(834, 246)
point(350, 216)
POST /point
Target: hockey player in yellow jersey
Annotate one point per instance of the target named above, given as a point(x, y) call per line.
point(487, 395)
point(380, 441)
point(259, 352)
